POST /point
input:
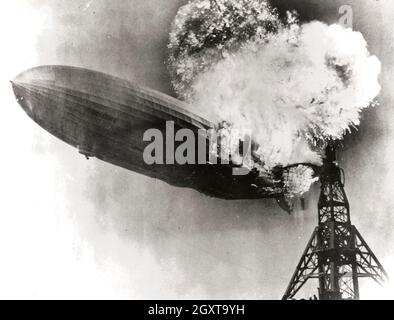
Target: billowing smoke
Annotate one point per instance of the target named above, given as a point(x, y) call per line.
point(295, 86)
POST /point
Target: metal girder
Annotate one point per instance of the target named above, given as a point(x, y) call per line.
point(336, 254)
point(305, 269)
point(367, 263)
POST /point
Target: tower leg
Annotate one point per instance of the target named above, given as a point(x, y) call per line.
point(306, 268)
point(367, 263)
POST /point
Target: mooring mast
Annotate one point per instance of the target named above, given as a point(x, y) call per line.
point(336, 254)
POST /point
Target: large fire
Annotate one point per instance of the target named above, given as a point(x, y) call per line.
point(290, 84)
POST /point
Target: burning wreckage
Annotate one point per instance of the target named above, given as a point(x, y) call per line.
point(239, 66)
point(107, 118)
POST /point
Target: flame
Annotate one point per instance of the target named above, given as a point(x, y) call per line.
point(290, 84)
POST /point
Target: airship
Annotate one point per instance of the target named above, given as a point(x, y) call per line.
point(105, 117)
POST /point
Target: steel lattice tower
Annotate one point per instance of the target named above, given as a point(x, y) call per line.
point(336, 254)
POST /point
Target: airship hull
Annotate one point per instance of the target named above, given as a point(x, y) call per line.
point(106, 117)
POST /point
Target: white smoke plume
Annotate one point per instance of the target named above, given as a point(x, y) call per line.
point(304, 84)
point(291, 84)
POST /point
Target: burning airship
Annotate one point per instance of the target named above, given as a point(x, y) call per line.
point(293, 85)
point(105, 117)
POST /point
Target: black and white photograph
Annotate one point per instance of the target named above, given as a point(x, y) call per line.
point(197, 150)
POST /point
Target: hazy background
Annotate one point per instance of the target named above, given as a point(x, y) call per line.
point(72, 228)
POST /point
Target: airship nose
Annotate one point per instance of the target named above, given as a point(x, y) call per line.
point(18, 90)
point(21, 95)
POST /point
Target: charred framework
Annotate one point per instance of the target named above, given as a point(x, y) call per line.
point(336, 254)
